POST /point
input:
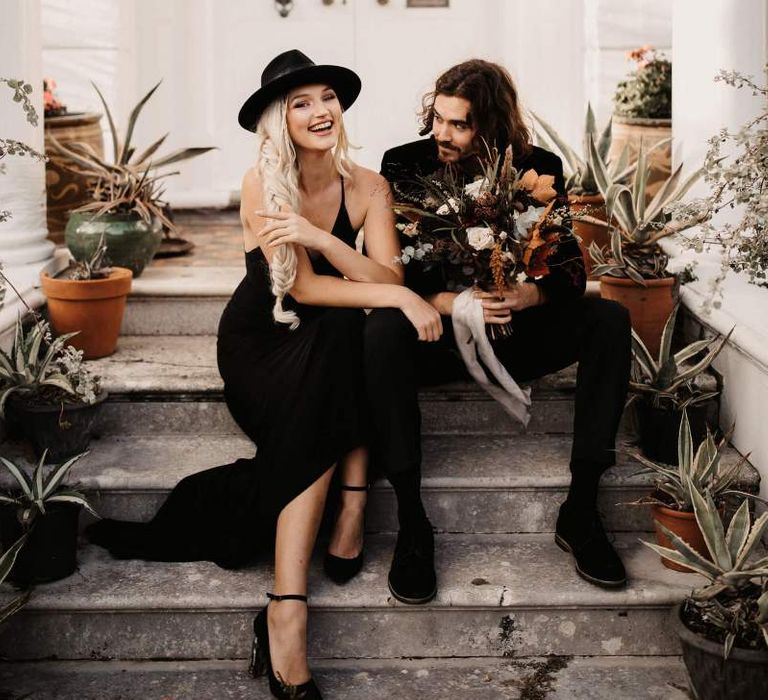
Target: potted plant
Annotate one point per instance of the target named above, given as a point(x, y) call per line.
point(643, 114)
point(44, 511)
point(723, 626)
point(672, 500)
point(126, 206)
point(46, 393)
point(66, 188)
point(663, 387)
point(89, 297)
point(586, 204)
point(633, 268)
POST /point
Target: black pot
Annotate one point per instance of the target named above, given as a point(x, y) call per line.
point(659, 429)
point(50, 552)
point(743, 676)
point(64, 430)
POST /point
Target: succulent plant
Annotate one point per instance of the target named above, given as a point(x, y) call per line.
point(92, 269)
point(731, 602)
point(670, 379)
point(580, 169)
point(700, 470)
point(7, 560)
point(126, 185)
point(634, 250)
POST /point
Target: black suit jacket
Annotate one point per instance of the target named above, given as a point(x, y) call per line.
point(567, 278)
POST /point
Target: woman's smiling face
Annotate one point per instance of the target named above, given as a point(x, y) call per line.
point(314, 117)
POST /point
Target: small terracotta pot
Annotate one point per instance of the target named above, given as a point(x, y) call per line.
point(93, 307)
point(595, 206)
point(649, 307)
point(684, 525)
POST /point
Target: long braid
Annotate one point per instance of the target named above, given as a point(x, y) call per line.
point(279, 178)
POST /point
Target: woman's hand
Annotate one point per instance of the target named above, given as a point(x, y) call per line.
point(288, 227)
point(424, 317)
point(516, 298)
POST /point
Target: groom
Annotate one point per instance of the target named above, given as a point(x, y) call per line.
point(473, 104)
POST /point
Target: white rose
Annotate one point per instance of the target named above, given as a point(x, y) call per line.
point(525, 221)
point(473, 189)
point(480, 237)
point(450, 205)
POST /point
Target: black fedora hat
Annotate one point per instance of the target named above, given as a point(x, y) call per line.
point(289, 70)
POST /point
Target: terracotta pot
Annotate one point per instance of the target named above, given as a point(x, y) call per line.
point(649, 307)
point(682, 524)
point(93, 307)
point(631, 132)
point(65, 189)
point(742, 676)
point(594, 205)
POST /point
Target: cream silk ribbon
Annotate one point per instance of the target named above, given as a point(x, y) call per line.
point(469, 330)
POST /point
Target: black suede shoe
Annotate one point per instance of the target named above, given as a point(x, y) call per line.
point(412, 577)
point(580, 532)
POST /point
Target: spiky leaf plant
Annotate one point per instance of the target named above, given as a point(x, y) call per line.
point(634, 250)
point(734, 604)
point(130, 183)
point(670, 379)
point(700, 469)
point(7, 560)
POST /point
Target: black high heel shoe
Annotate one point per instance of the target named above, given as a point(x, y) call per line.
point(261, 664)
point(341, 569)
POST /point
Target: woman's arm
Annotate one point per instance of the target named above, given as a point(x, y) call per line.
point(379, 265)
point(325, 290)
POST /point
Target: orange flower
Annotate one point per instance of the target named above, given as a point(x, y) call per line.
point(540, 186)
point(540, 247)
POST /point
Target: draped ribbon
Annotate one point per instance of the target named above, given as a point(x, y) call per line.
point(471, 338)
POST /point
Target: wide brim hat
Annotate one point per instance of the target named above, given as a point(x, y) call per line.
point(292, 69)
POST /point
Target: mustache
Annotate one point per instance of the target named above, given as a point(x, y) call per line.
point(448, 146)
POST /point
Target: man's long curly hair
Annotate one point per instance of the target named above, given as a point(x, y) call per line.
point(495, 110)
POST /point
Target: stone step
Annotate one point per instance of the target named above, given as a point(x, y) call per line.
point(172, 384)
point(470, 483)
point(556, 678)
point(190, 300)
point(499, 595)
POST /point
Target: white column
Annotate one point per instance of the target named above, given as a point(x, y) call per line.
point(24, 249)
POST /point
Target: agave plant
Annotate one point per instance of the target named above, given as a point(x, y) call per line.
point(731, 602)
point(700, 470)
point(670, 379)
point(130, 183)
point(580, 169)
point(7, 560)
point(634, 250)
point(28, 369)
point(93, 268)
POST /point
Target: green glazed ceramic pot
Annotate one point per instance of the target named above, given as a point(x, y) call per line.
point(131, 242)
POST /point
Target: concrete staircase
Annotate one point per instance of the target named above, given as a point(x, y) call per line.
point(512, 618)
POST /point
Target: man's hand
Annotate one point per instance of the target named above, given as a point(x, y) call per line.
point(516, 298)
point(288, 227)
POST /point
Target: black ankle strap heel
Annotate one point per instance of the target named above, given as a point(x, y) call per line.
point(344, 487)
point(261, 663)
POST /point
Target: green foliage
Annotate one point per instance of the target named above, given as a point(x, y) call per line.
point(580, 168)
point(638, 226)
point(128, 184)
point(731, 602)
point(670, 379)
point(700, 470)
point(646, 93)
point(42, 369)
point(7, 560)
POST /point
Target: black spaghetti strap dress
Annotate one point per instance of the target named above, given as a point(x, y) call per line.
point(296, 393)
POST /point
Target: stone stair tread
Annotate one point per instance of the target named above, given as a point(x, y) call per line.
point(187, 365)
point(475, 572)
point(188, 281)
point(450, 461)
point(560, 678)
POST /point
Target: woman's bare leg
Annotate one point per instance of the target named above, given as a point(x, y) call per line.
point(297, 528)
point(347, 537)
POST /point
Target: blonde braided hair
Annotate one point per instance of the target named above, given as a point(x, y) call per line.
point(278, 167)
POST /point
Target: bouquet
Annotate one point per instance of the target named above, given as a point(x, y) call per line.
point(486, 233)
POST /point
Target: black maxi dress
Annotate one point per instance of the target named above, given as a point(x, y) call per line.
point(296, 393)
